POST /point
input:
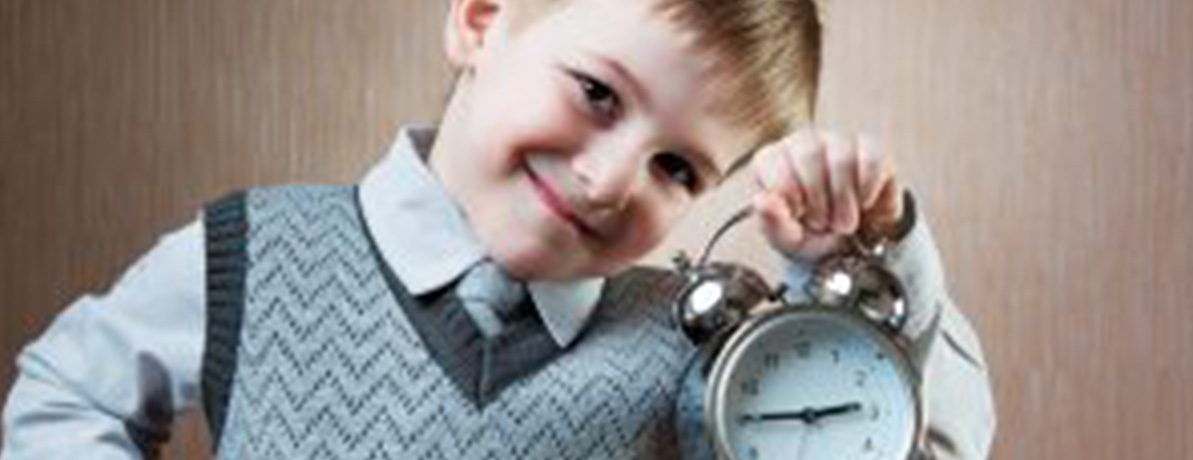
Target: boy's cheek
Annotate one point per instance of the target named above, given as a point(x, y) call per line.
point(561, 106)
point(545, 122)
point(514, 116)
point(646, 232)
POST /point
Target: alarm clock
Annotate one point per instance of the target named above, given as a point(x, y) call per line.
point(827, 378)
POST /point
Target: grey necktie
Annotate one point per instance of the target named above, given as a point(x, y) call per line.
point(497, 304)
point(491, 297)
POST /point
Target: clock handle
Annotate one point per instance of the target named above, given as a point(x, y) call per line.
point(737, 217)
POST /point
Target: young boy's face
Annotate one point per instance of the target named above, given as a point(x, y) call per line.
point(575, 143)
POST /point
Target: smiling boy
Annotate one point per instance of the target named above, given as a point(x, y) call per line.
point(474, 296)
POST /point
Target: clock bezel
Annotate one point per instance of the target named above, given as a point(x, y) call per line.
point(754, 328)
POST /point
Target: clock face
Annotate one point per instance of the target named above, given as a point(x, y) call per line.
point(812, 385)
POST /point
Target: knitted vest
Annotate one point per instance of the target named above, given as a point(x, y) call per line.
point(310, 356)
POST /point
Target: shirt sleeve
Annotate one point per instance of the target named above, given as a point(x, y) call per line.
point(955, 382)
point(108, 376)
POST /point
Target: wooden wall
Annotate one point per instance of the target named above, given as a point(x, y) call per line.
point(1051, 144)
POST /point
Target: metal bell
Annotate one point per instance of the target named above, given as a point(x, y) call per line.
point(716, 296)
point(860, 281)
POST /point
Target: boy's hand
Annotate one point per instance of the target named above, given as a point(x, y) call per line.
point(815, 188)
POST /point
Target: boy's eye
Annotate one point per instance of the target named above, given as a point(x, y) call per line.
point(677, 169)
point(600, 97)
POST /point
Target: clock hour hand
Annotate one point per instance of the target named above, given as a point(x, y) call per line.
point(808, 415)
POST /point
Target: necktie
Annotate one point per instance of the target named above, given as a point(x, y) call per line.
point(491, 297)
point(494, 345)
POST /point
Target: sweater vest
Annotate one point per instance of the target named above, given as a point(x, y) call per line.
point(309, 354)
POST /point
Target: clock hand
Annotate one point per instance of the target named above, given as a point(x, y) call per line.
point(808, 415)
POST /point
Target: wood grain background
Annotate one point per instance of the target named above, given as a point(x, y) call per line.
point(1051, 144)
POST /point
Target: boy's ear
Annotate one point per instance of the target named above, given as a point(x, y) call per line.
point(470, 23)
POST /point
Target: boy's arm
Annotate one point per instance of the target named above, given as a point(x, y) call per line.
point(106, 379)
point(955, 383)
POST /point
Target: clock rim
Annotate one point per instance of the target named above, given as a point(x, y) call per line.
point(741, 337)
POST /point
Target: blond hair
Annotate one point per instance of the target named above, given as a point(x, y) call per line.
point(766, 54)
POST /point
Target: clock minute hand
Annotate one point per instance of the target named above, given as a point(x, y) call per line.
point(808, 415)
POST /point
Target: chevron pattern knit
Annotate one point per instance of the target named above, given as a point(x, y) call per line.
point(317, 360)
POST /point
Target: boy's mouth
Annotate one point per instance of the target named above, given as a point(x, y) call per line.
point(558, 205)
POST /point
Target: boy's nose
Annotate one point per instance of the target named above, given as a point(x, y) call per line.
point(609, 178)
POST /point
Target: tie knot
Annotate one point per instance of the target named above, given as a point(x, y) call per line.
point(487, 287)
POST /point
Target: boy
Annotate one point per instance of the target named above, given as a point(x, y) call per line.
point(473, 297)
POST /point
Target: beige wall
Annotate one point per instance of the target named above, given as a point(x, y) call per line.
point(1051, 144)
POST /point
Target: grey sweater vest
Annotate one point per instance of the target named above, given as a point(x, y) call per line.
point(310, 356)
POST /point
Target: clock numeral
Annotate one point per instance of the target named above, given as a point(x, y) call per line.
point(803, 349)
point(868, 446)
point(770, 361)
point(752, 453)
point(860, 378)
point(750, 387)
point(875, 412)
point(836, 356)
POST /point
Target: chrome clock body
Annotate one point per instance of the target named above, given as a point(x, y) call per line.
point(827, 377)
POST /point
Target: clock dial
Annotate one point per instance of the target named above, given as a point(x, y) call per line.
point(814, 385)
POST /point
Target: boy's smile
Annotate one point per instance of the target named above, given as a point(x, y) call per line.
point(554, 199)
point(575, 141)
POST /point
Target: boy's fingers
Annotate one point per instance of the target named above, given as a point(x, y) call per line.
point(842, 167)
point(774, 174)
point(806, 153)
point(780, 228)
point(827, 183)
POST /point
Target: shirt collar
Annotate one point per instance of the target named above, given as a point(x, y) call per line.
point(401, 200)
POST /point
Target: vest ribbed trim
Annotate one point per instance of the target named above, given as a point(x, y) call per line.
point(226, 233)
